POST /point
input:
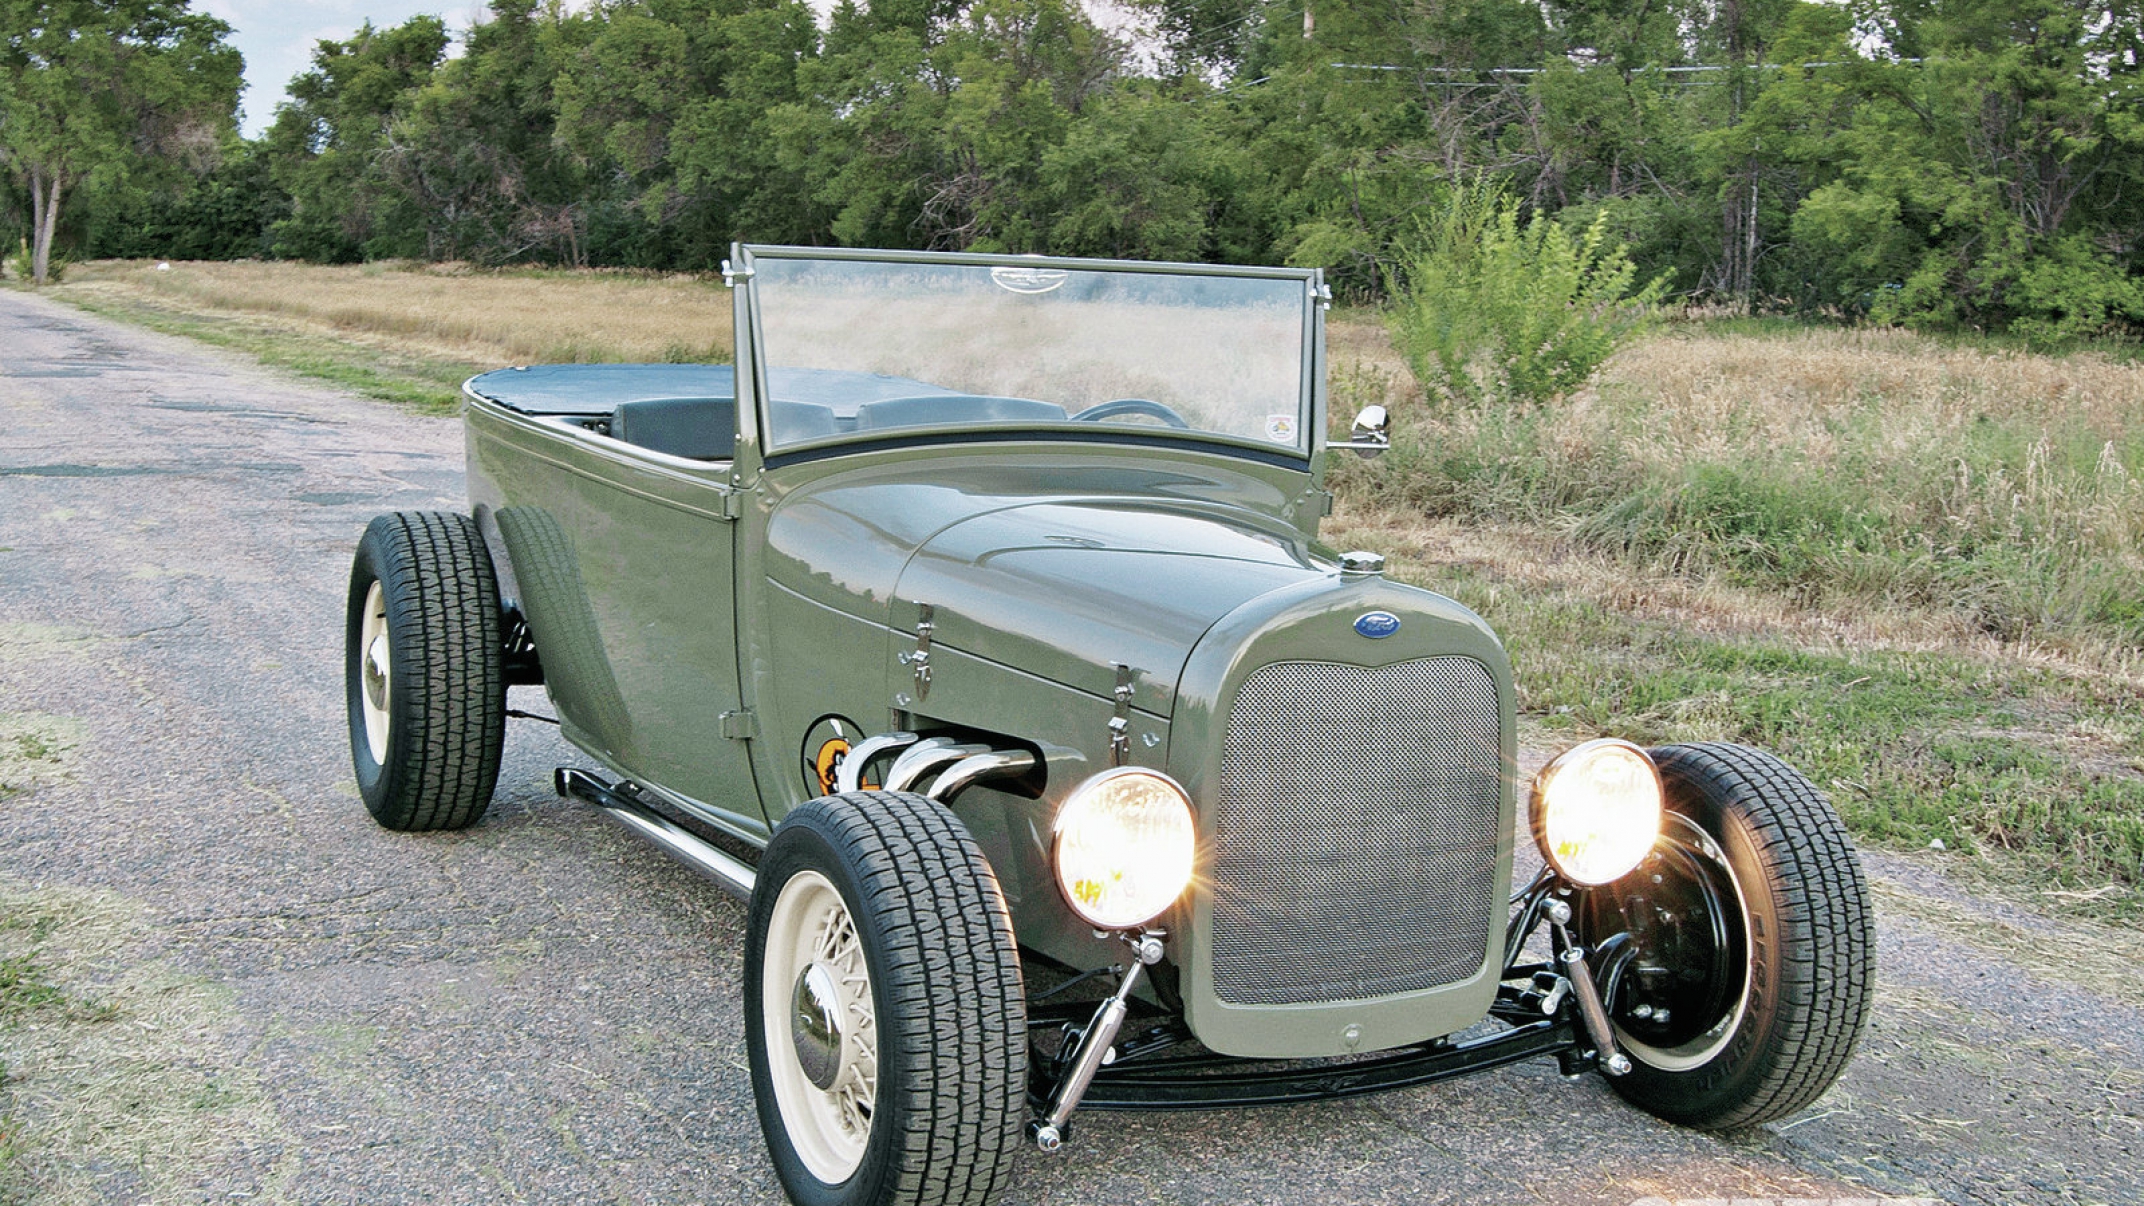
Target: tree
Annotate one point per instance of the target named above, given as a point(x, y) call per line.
point(327, 146)
point(104, 89)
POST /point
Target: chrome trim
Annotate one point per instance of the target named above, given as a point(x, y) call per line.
point(1120, 720)
point(926, 624)
point(728, 874)
point(1094, 1044)
point(1360, 564)
point(851, 775)
point(997, 764)
point(924, 757)
point(815, 1025)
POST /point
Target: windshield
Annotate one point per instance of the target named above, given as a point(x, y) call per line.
point(867, 347)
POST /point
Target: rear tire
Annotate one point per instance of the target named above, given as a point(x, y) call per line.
point(1751, 919)
point(424, 666)
point(878, 911)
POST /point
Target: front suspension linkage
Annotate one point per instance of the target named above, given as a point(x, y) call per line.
point(1094, 1044)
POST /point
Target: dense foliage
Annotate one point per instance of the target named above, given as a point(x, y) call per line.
point(1975, 163)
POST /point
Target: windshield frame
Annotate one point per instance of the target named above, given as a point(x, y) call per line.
point(1309, 397)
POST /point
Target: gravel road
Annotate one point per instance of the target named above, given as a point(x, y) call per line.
point(540, 1009)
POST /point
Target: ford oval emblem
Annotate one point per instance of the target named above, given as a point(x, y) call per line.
point(1377, 625)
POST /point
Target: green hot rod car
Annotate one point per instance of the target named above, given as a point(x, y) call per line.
point(975, 630)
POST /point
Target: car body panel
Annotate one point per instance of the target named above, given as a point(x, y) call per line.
point(624, 569)
point(739, 616)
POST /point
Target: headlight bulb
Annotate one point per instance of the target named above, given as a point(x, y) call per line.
point(1125, 844)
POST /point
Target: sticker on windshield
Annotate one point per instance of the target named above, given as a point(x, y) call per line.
point(1029, 280)
point(1280, 428)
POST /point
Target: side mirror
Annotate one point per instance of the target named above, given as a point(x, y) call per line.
point(1372, 433)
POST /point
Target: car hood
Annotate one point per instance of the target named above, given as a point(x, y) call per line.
point(1068, 591)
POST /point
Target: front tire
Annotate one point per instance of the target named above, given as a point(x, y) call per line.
point(424, 667)
point(884, 1013)
point(1754, 954)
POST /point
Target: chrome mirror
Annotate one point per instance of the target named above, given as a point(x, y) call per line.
point(1372, 433)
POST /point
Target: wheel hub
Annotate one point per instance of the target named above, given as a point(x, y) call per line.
point(1687, 985)
point(375, 672)
point(815, 1025)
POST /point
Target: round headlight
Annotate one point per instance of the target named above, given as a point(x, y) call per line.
point(1597, 810)
point(1124, 847)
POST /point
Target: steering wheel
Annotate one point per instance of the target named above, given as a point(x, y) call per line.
point(1132, 406)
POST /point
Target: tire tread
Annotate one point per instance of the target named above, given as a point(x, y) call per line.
point(953, 983)
point(1826, 942)
point(444, 620)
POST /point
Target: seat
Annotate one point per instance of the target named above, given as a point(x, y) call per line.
point(704, 429)
point(928, 410)
point(796, 422)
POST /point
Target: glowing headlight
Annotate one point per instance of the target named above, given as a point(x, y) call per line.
point(1597, 810)
point(1124, 847)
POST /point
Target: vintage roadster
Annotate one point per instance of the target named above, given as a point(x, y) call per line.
point(975, 630)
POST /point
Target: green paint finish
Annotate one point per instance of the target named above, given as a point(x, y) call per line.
point(664, 593)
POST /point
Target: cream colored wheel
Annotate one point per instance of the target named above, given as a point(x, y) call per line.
point(424, 671)
point(884, 1018)
point(821, 1028)
point(378, 667)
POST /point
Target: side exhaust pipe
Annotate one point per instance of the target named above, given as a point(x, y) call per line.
point(728, 872)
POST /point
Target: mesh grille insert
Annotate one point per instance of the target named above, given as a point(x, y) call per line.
point(1356, 831)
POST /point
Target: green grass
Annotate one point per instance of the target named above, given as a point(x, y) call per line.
point(2039, 770)
point(425, 384)
point(1833, 467)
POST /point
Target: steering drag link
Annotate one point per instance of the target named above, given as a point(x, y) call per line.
point(1094, 1045)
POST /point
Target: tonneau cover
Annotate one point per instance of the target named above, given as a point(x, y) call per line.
point(597, 389)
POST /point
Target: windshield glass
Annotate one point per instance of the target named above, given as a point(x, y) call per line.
point(858, 347)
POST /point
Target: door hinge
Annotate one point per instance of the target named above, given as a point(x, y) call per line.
point(733, 277)
point(732, 505)
point(740, 725)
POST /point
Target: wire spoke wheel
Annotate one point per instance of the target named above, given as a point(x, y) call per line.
point(823, 1053)
point(884, 1015)
point(424, 669)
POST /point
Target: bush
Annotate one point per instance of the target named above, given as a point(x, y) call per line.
point(24, 265)
point(1488, 310)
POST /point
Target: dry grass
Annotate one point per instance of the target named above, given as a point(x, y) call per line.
point(1909, 567)
point(1827, 464)
point(35, 749)
point(116, 1068)
point(443, 312)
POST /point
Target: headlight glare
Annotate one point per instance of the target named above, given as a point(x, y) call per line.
point(1124, 847)
point(1596, 810)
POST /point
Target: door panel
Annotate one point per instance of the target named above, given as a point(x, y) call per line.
point(625, 570)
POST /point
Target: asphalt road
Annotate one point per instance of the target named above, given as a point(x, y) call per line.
point(539, 1009)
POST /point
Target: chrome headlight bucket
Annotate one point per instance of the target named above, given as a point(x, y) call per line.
point(1596, 810)
point(1124, 848)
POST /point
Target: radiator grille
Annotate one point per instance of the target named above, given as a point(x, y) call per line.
point(1356, 831)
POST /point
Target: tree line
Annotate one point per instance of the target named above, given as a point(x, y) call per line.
point(1973, 163)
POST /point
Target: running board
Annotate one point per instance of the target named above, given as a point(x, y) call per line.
point(729, 873)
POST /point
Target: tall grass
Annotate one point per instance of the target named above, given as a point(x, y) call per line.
point(1870, 466)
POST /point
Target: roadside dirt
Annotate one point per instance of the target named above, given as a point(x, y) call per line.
point(540, 1010)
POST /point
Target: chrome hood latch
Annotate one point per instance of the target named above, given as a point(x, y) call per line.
point(1120, 724)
